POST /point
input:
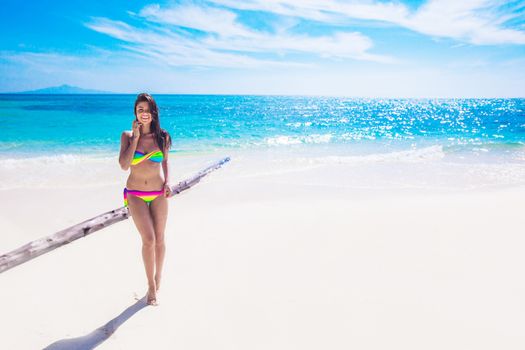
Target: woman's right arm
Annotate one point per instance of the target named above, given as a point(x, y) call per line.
point(128, 146)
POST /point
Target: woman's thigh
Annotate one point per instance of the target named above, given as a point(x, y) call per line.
point(140, 213)
point(159, 214)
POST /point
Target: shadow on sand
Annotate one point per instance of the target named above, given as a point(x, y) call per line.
point(99, 335)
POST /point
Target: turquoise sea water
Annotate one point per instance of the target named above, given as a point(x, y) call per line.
point(310, 130)
point(51, 124)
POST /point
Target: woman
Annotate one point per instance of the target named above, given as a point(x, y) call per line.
point(144, 150)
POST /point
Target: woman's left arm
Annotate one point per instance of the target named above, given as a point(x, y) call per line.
point(165, 169)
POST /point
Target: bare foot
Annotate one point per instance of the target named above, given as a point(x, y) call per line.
point(152, 296)
point(157, 282)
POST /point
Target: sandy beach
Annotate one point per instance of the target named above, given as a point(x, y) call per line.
point(266, 261)
point(374, 198)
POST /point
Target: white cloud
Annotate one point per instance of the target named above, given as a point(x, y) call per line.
point(323, 10)
point(224, 41)
point(213, 34)
point(174, 49)
point(114, 72)
point(340, 45)
point(207, 19)
point(479, 22)
point(476, 21)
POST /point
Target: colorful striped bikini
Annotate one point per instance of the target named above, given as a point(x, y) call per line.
point(154, 156)
point(146, 196)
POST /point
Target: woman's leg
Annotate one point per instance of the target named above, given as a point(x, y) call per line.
point(159, 214)
point(141, 216)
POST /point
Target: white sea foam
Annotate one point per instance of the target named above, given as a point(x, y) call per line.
point(257, 164)
point(299, 124)
point(413, 169)
point(94, 170)
point(426, 154)
point(59, 171)
point(295, 140)
point(428, 167)
point(59, 159)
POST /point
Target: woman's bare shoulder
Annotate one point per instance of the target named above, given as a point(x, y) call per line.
point(126, 133)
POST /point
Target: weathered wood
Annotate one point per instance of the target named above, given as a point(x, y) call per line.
point(45, 244)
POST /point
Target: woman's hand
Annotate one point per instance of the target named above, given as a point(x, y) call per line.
point(136, 126)
point(167, 190)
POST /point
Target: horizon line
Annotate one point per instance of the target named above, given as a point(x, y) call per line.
point(263, 95)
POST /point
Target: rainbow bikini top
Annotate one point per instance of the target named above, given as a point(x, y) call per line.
point(154, 156)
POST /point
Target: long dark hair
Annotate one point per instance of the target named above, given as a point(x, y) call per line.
point(161, 136)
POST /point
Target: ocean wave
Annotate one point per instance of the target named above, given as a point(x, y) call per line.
point(425, 154)
point(58, 159)
point(59, 171)
point(10, 145)
point(296, 140)
point(299, 124)
point(497, 151)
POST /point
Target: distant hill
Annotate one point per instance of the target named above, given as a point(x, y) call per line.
point(64, 89)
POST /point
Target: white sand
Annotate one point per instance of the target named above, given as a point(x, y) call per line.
point(254, 262)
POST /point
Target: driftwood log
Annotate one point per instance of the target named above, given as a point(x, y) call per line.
point(45, 244)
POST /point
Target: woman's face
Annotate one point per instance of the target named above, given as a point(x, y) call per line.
point(143, 113)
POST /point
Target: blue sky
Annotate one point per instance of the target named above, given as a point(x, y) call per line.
point(359, 48)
